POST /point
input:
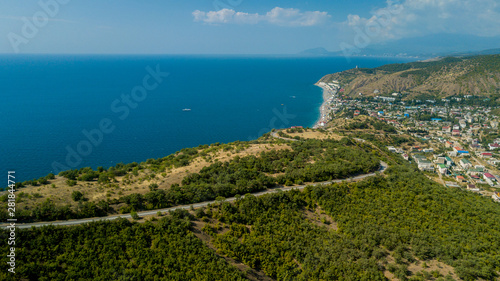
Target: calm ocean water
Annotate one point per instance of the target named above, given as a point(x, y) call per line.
point(77, 111)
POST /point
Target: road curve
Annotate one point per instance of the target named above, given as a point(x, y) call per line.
point(383, 167)
point(275, 135)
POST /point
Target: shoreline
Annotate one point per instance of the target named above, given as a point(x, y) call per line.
point(329, 92)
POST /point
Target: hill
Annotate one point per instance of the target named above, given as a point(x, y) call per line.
point(439, 78)
point(190, 176)
point(433, 45)
point(399, 225)
point(316, 52)
point(428, 46)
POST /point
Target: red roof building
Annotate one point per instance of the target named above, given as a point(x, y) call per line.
point(486, 155)
point(493, 146)
point(488, 175)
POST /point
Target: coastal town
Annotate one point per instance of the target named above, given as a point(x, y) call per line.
point(458, 140)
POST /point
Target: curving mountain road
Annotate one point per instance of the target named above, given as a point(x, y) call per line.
point(383, 167)
point(275, 135)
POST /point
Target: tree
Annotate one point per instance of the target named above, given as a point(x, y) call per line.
point(134, 215)
point(77, 195)
point(103, 178)
point(153, 187)
point(43, 181)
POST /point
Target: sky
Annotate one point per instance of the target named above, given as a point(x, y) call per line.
point(231, 26)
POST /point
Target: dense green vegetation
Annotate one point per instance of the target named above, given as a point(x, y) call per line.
point(408, 211)
point(405, 216)
point(384, 135)
point(286, 246)
point(119, 250)
point(382, 224)
point(370, 123)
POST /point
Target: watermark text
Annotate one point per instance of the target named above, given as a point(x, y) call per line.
point(11, 205)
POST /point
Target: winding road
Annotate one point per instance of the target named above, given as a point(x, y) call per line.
point(383, 167)
point(275, 134)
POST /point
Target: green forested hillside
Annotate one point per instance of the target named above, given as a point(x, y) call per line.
point(403, 216)
point(401, 226)
point(118, 250)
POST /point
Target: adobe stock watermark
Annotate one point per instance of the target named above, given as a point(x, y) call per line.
point(11, 228)
point(226, 4)
point(121, 107)
point(372, 29)
point(31, 26)
point(284, 117)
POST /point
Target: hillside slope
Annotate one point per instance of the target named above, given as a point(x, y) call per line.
point(399, 225)
point(479, 75)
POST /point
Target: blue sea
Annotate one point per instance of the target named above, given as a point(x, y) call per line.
point(73, 111)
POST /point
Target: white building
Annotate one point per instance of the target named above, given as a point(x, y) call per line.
point(496, 196)
point(392, 149)
point(425, 165)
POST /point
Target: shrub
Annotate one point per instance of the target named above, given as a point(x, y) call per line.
point(134, 215)
point(77, 195)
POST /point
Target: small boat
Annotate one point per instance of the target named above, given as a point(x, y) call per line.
point(186, 109)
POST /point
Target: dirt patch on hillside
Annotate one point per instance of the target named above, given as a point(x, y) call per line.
point(318, 217)
point(432, 266)
point(316, 135)
point(429, 270)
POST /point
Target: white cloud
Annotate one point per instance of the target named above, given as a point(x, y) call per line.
point(277, 16)
point(295, 17)
point(421, 17)
point(222, 16)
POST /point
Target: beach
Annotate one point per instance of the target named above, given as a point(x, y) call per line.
point(329, 92)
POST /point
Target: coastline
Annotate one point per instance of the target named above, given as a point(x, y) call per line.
point(329, 92)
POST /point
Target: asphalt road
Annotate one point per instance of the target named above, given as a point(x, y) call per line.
point(275, 134)
point(383, 167)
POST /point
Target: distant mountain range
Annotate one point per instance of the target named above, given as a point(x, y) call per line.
point(436, 78)
point(423, 47)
